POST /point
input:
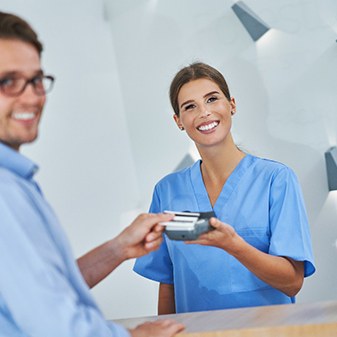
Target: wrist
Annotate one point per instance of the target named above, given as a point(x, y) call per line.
point(117, 249)
point(238, 246)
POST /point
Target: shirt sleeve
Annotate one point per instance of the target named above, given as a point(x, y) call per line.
point(157, 265)
point(36, 297)
point(290, 232)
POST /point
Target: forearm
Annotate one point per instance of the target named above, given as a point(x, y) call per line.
point(142, 236)
point(101, 261)
point(280, 272)
point(166, 302)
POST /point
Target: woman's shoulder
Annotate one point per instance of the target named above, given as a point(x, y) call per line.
point(272, 166)
point(179, 175)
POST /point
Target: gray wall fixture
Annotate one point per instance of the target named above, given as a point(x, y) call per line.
point(253, 24)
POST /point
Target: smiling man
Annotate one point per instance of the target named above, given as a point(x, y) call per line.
point(43, 291)
point(21, 105)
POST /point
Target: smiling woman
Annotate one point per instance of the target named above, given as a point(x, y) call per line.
point(203, 109)
point(258, 209)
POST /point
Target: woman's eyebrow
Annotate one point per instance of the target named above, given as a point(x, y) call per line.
point(211, 93)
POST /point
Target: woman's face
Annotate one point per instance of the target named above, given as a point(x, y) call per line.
point(205, 112)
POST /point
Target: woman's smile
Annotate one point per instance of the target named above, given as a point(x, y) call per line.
point(207, 127)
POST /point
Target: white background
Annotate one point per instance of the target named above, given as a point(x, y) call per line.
point(108, 136)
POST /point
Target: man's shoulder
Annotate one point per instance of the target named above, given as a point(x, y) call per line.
point(10, 184)
point(7, 178)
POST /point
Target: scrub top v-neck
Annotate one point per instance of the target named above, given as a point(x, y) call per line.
point(233, 180)
point(262, 201)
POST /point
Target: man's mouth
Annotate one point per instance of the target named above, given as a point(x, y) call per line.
point(208, 127)
point(23, 116)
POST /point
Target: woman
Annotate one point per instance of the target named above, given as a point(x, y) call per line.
point(260, 249)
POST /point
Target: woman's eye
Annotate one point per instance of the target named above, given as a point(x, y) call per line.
point(212, 99)
point(189, 107)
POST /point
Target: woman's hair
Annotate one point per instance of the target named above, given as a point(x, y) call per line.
point(13, 27)
point(193, 72)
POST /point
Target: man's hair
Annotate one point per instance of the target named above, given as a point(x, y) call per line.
point(13, 27)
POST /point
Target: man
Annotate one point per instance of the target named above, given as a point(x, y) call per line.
point(43, 291)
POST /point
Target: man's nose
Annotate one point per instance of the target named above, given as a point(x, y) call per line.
point(29, 93)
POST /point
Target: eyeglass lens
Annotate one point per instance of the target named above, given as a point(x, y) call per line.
point(14, 86)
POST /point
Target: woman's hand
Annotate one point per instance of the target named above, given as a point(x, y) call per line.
point(223, 236)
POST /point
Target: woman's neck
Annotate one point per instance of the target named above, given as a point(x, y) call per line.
point(218, 162)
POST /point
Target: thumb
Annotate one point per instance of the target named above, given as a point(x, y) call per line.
point(215, 222)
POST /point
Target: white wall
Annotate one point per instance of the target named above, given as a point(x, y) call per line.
point(108, 134)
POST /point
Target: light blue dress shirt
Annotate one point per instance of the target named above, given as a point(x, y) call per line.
point(262, 200)
point(42, 292)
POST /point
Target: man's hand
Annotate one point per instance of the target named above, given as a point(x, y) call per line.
point(160, 328)
point(142, 236)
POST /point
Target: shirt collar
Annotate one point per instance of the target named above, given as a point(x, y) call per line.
point(16, 162)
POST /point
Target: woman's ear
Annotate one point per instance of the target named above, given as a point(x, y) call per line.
point(177, 120)
point(233, 106)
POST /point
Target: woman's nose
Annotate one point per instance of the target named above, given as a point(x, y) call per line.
point(204, 112)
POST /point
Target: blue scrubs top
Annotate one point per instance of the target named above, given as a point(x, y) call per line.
point(262, 200)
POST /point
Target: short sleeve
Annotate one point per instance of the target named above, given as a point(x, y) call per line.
point(157, 265)
point(290, 232)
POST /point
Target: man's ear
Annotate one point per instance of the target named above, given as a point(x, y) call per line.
point(177, 120)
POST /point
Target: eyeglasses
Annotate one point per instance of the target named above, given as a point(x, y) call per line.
point(16, 85)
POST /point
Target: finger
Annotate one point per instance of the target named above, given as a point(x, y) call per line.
point(214, 222)
point(174, 327)
point(195, 242)
point(169, 322)
point(153, 219)
point(164, 322)
point(158, 228)
point(153, 236)
point(153, 245)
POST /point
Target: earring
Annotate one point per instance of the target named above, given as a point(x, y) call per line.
point(232, 112)
point(181, 128)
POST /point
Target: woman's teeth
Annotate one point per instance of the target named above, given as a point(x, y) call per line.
point(208, 126)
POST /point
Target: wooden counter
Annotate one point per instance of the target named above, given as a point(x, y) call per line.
point(290, 320)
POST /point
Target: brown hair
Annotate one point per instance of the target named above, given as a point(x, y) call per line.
point(13, 27)
point(193, 72)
